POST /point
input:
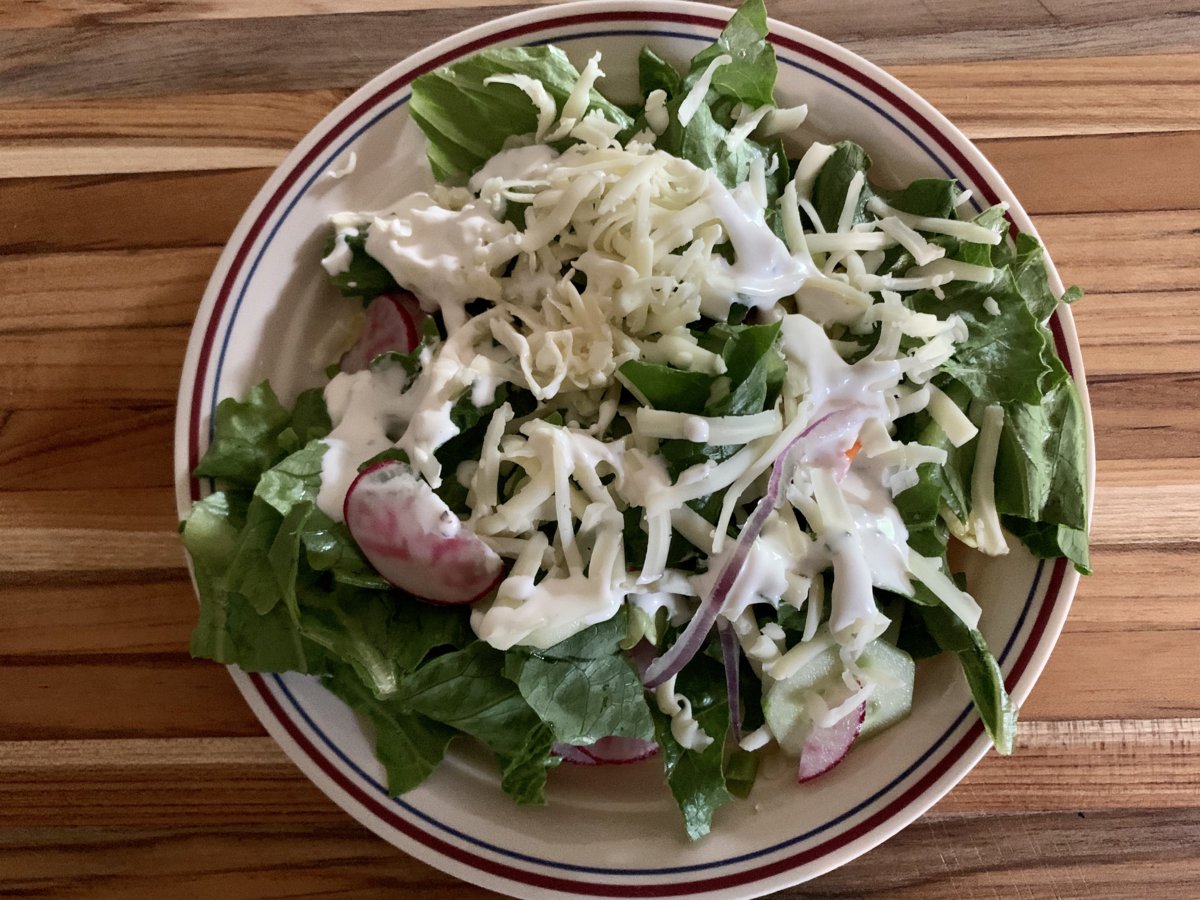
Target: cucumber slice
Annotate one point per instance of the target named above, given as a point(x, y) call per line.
point(893, 672)
point(785, 703)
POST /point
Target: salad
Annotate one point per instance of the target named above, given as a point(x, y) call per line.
point(649, 438)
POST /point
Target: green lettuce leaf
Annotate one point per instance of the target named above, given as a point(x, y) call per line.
point(983, 676)
point(678, 390)
point(697, 778)
point(754, 368)
point(832, 184)
point(750, 77)
point(584, 688)
point(467, 690)
point(251, 436)
point(381, 636)
point(656, 74)
point(1041, 468)
point(409, 745)
point(934, 197)
point(468, 122)
point(1004, 357)
point(229, 629)
point(364, 277)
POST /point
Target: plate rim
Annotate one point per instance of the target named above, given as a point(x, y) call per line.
point(1032, 654)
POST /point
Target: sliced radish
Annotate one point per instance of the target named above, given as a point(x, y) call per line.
point(413, 539)
point(392, 324)
point(576, 756)
point(609, 751)
point(826, 747)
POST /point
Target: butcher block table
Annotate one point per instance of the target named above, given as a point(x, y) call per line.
point(133, 133)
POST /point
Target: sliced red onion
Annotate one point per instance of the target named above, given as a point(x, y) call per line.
point(692, 639)
point(731, 655)
point(641, 655)
point(609, 751)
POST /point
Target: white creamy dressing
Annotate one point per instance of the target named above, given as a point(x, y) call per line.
point(363, 407)
point(516, 164)
point(764, 271)
point(643, 227)
point(543, 613)
point(762, 578)
point(338, 260)
point(444, 256)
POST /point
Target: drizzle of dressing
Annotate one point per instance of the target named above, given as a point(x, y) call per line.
point(444, 256)
point(339, 258)
point(363, 406)
point(763, 271)
point(515, 164)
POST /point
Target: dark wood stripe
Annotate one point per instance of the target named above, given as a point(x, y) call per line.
point(115, 617)
point(126, 696)
point(120, 212)
point(942, 857)
point(339, 51)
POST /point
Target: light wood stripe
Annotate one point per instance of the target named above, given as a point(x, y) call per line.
point(1156, 588)
point(1090, 173)
point(1092, 765)
point(1113, 94)
point(68, 157)
point(1127, 674)
point(40, 550)
point(1135, 252)
point(1137, 334)
point(60, 13)
point(189, 132)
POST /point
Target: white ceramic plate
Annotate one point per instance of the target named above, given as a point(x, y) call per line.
point(615, 831)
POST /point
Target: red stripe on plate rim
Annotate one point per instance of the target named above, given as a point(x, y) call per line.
point(371, 801)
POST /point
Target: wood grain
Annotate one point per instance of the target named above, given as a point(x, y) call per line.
point(1070, 855)
point(154, 211)
point(1114, 94)
point(120, 696)
point(133, 133)
point(157, 134)
point(180, 49)
point(75, 449)
point(1088, 765)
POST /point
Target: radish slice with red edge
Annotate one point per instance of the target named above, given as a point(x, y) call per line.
point(414, 540)
point(608, 751)
point(824, 748)
point(392, 324)
point(692, 639)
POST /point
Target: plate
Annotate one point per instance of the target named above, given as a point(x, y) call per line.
point(615, 831)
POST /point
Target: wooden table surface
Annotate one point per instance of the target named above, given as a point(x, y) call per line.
point(132, 135)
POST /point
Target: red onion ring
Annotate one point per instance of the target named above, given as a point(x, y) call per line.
point(689, 643)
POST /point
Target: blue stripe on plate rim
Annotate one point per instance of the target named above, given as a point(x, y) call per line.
point(321, 166)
